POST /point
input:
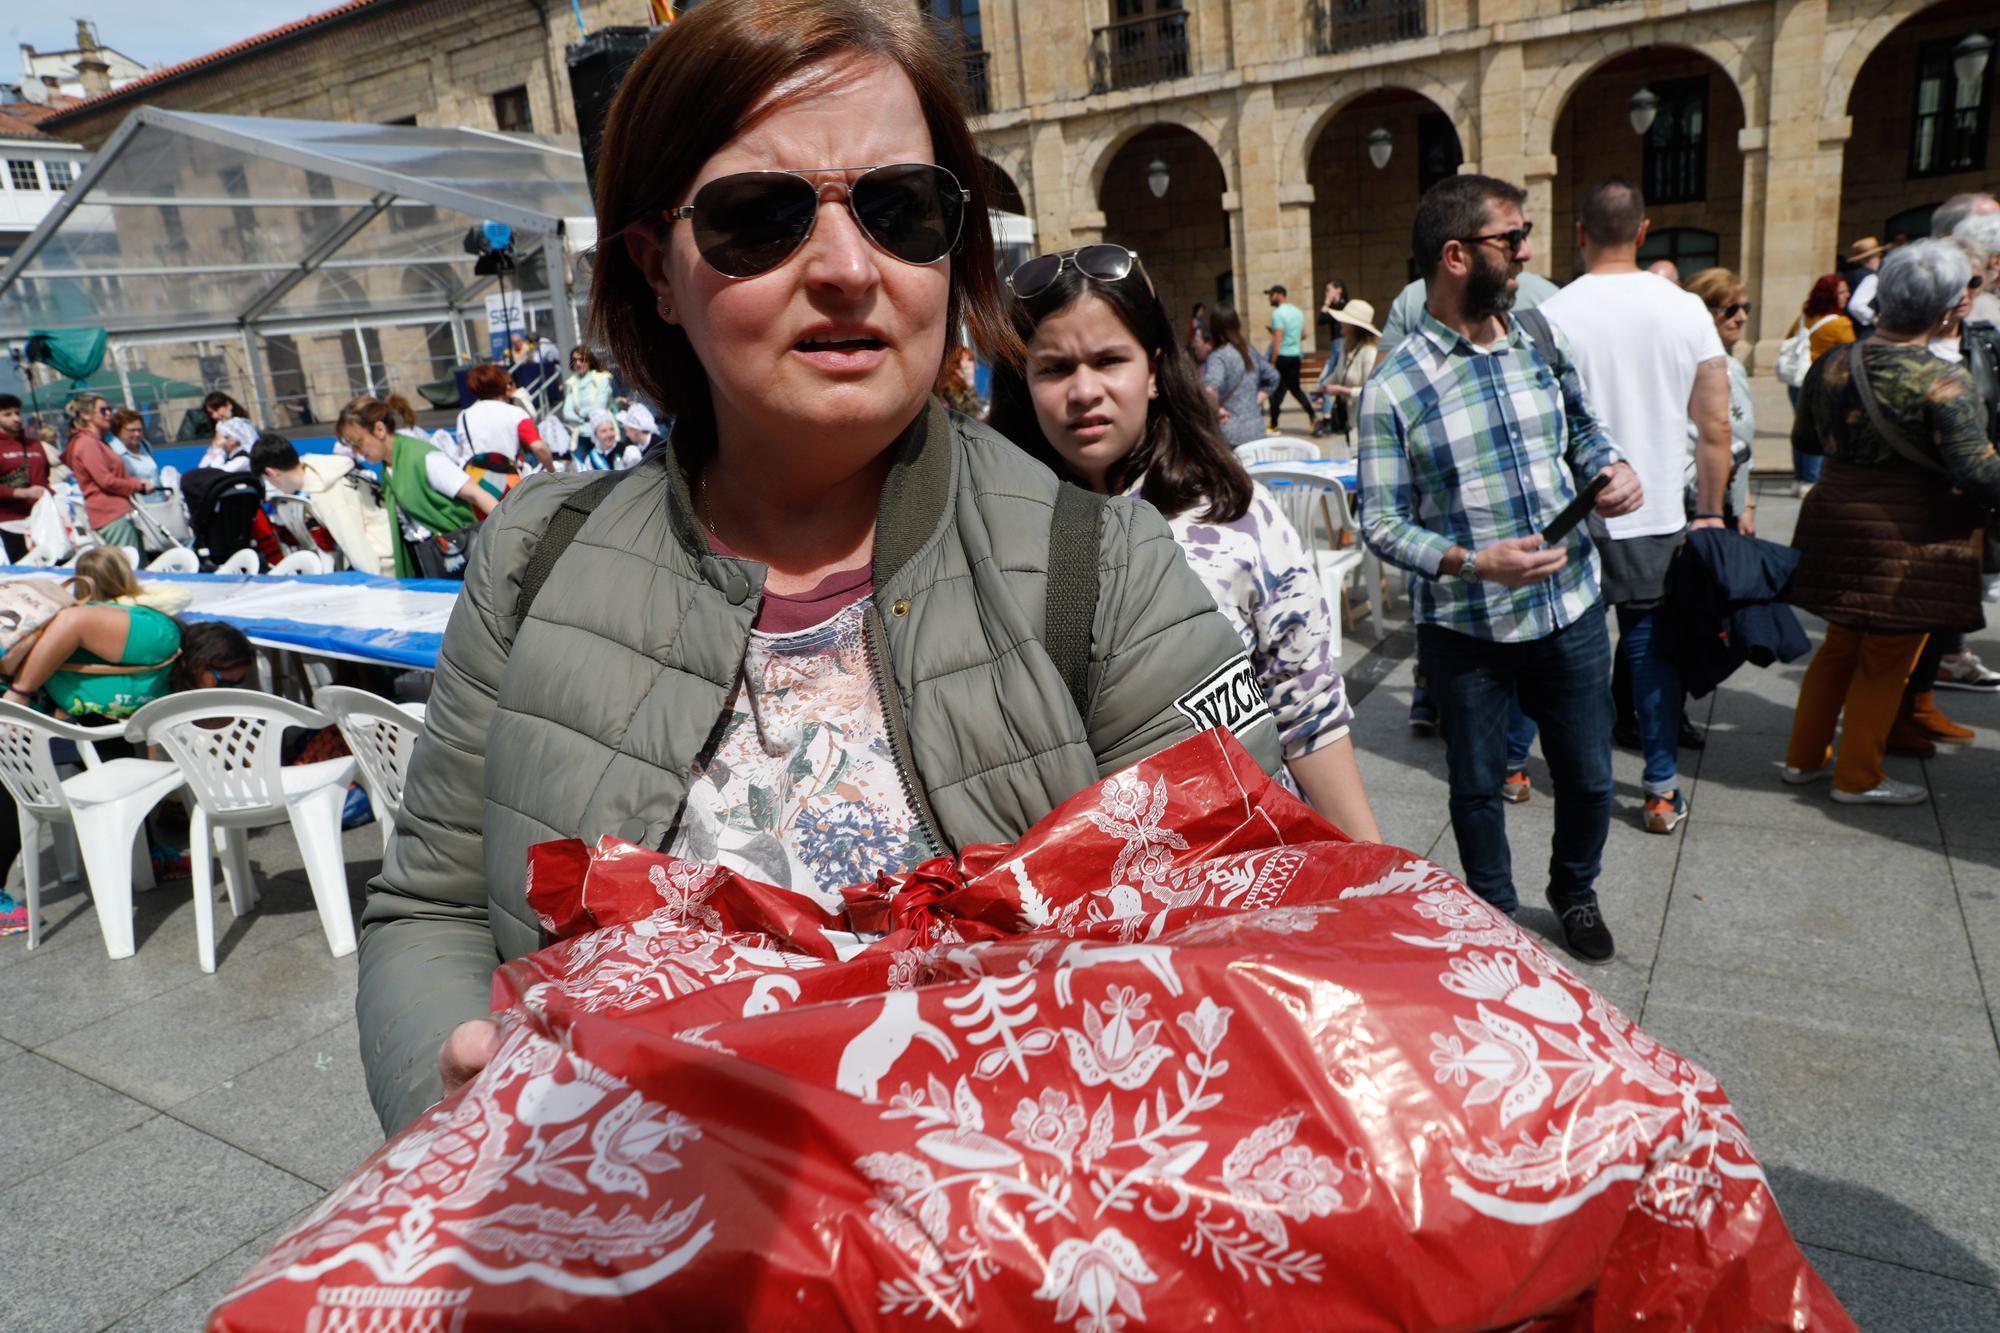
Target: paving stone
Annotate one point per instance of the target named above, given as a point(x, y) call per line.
point(1978, 885)
point(1880, 1105)
point(194, 1036)
point(1876, 912)
point(95, 1237)
point(305, 1110)
point(1886, 1298)
point(186, 1306)
point(53, 1113)
point(1740, 785)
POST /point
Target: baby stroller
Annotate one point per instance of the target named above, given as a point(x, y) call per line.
point(222, 510)
point(162, 520)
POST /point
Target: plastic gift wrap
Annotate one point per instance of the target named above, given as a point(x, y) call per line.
point(1184, 1056)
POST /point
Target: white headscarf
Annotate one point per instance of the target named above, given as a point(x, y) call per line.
point(237, 430)
point(638, 417)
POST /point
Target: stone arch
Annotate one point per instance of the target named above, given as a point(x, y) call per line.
point(1735, 59)
point(1012, 161)
point(1862, 42)
point(1094, 158)
point(1004, 192)
point(1306, 130)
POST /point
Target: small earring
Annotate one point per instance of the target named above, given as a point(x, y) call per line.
point(666, 308)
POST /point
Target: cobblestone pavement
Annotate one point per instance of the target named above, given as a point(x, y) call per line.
point(1836, 968)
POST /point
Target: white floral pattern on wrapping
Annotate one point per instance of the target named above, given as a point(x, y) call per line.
point(803, 791)
point(1261, 578)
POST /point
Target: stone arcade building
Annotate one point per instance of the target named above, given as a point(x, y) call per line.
point(1229, 141)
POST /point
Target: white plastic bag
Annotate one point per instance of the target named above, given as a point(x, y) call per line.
point(49, 540)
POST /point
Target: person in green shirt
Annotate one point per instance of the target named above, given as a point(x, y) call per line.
point(1288, 327)
point(429, 496)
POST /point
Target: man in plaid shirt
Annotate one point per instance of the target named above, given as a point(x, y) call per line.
point(1475, 433)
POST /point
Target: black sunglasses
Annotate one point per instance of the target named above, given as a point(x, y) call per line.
point(1735, 308)
point(1515, 238)
point(1099, 263)
point(751, 222)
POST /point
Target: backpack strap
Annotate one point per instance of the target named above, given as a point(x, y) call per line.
point(1075, 537)
point(557, 536)
point(1536, 325)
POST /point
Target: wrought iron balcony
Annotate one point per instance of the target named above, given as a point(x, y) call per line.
point(1139, 51)
point(1344, 25)
point(978, 92)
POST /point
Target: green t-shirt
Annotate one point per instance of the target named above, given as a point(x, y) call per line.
point(1289, 323)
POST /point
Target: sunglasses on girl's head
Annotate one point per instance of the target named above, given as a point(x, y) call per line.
point(751, 222)
point(1099, 263)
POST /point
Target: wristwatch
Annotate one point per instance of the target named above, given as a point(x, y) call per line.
point(1468, 568)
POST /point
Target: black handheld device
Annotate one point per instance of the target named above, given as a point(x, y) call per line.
point(1576, 510)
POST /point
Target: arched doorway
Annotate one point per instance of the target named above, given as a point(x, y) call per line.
point(1688, 162)
point(1361, 212)
point(1013, 225)
point(1173, 217)
point(1921, 134)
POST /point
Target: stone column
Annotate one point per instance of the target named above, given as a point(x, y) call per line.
point(1538, 176)
point(1048, 165)
point(1800, 220)
point(1754, 141)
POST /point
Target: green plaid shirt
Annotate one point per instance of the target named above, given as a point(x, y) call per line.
point(1464, 447)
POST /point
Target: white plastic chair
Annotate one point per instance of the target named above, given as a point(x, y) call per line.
point(106, 804)
point(242, 562)
point(300, 562)
point(382, 735)
point(1317, 506)
point(238, 782)
point(1277, 449)
point(175, 560)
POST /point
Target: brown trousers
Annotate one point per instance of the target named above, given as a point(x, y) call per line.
point(1855, 679)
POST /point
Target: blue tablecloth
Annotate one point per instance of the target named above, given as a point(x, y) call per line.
point(360, 617)
point(1342, 470)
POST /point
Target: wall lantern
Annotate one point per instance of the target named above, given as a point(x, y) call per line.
point(1645, 105)
point(1968, 59)
point(1380, 144)
point(1157, 178)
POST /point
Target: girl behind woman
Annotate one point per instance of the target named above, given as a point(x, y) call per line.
point(1230, 378)
point(1110, 401)
point(128, 441)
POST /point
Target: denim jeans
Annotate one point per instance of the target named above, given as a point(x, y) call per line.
point(1656, 696)
point(1562, 683)
point(1520, 738)
point(1805, 467)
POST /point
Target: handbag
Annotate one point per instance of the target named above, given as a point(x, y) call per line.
point(28, 604)
point(445, 555)
point(1795, 352)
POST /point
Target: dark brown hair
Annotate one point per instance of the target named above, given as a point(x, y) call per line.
point(1182, 455)
point(209, 645)
point(696, 88)
point(1225, 328)
point(589, 357)
point(123, 417)
point(1612, 212)
point(368, 413)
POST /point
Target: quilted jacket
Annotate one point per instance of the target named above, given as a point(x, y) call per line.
point(586, 718)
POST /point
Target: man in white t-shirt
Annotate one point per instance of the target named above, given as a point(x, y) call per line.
point(1652, 362)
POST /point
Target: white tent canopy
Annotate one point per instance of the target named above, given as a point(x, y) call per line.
point(191, 226)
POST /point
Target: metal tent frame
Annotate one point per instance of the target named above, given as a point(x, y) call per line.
point(533, 183)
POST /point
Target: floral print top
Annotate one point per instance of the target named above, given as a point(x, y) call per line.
point(1259, 573)
point(803, 791)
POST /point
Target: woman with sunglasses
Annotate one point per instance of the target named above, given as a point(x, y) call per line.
point(1728, 302)
point(813, 626)
point(1108, 399)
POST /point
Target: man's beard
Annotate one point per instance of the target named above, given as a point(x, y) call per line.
point(1486, 291)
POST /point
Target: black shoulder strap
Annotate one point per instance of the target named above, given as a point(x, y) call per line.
point(1536, 325)
point(1857, 367)
point(556, 537)
point(1071, 598)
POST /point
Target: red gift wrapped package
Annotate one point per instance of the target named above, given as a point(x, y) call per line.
point(1183, 1056)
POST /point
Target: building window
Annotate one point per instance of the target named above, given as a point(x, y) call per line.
point(1676, 165)
point(1948, 130)
point(959, 20)
point(170, 222)
point(22, 174)
point(510, 111)
point(1691, 248)
point(1438, 153)
point(61, 174)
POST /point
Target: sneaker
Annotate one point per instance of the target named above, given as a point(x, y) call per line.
point(1665, 813)
point(1424, 719)
point(1799, 777)
point(1584, 931)
point(1888, 792)
point(1516, 789)
point(1964, 671)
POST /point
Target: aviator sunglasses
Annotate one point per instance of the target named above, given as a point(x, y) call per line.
point(1099, 263)
point(753, 221)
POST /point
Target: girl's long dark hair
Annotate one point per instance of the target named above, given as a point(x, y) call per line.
point(1182, 455)
point(1226, 326)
